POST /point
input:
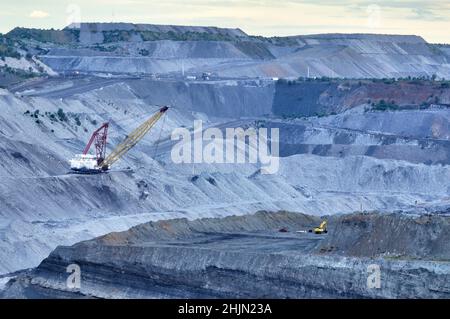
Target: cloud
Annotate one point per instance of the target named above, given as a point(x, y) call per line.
point(39, 14)
point(426, 14)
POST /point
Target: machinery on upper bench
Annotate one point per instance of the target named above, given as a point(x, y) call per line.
point(322, 229)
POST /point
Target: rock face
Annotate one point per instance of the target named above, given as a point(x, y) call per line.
point(377, 160)
point(102, 27)
point(338, 152)
point(309, 98)
point(400, 236)
point(143, 48)
point(248, 257)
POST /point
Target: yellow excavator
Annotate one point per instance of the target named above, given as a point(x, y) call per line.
point(322, 229)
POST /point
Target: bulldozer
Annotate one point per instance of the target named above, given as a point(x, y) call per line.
point(322, 229)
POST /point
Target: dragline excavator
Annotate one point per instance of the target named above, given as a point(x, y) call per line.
point(92, 164)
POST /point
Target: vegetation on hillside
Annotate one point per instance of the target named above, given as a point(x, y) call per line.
point(377, 94)
point(66, 36)
point(419, 80)
point(279, 41)
point(7, 48)
point(22, 74)
point(385, 106)
point(185, 36)
point(127, 35)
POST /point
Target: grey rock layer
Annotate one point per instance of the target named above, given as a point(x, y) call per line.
point(241, 257)
point(41, 206)
point(330, 55)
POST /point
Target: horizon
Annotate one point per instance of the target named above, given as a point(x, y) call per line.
point(266, 18)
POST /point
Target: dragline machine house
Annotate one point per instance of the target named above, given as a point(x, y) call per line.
point(87, 163)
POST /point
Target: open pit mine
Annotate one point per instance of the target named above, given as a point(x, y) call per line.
point(359, 206)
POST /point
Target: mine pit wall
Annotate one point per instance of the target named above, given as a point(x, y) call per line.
point(132, 65)
point(247, 98)
point(139, 263)
point(329, 141)
point(399, 236)
point(237, 99)
point(229, 99)
point(299, 99)
point(163, 272)
point(410, 153)
point(315, 98)
point(256, 98)
point(60, 198)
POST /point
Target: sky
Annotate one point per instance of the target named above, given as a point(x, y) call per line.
point(429, 19)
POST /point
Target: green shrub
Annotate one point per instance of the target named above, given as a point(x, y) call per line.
point(66, 36)
point(144, 52)
point(117, 36)
point(388, 81)
point(61, 115)
point(385, 106)
point(8, 51)
point(184, 36)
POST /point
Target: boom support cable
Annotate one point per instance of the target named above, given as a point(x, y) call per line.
point(132, 139)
